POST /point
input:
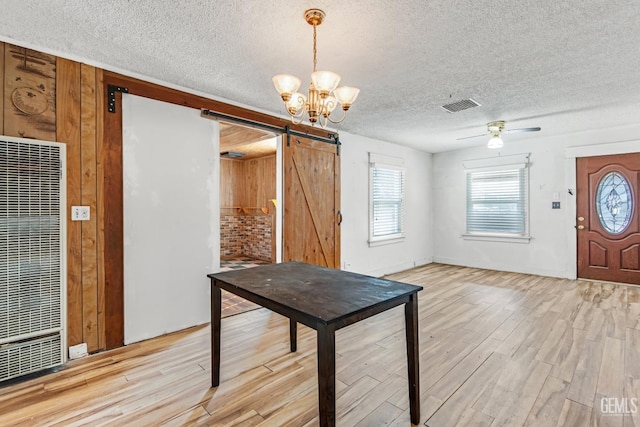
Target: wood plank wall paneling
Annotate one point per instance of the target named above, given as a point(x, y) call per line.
point(29, 93)
point(2, 88)
point(89, 198)
point(248, 182)
point(260, 182)
point(68, 132)
point(231, 183)
point(113, 208)
point(100, 238)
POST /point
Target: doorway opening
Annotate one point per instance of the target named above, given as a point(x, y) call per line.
point(248, 203)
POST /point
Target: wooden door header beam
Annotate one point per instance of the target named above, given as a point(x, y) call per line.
point(146, 89)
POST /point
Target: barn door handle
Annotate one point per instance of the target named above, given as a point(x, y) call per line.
point(339, 217)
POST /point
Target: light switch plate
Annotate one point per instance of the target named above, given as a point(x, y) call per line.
point(80, 213)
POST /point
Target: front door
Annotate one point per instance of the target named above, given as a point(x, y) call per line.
point(311, 229)
point(608, 218)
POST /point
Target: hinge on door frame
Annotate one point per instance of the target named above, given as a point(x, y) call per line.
point(111, 96)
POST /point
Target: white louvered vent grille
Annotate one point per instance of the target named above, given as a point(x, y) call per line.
point(464, 104)
point(32, 286)
point(30, 356)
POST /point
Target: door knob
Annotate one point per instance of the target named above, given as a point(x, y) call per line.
point(580, 227)
point(581, 218)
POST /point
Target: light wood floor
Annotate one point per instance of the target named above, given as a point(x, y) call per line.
point(495, 349)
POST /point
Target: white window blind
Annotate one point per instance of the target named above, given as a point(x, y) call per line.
point(386, 201)
point(497, 201)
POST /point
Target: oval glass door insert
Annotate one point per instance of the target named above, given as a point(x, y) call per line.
point(614, 202)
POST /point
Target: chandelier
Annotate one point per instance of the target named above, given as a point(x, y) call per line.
point(324, 93)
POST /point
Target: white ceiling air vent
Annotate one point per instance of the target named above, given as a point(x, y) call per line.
point(465, 104)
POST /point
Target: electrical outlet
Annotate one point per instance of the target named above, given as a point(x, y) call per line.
point(555, 205)
point(80, 213)
point(78, 351)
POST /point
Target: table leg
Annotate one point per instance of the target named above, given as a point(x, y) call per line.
point(327, 375)
point(293, 335)
point(413, 356)
point(216, 311)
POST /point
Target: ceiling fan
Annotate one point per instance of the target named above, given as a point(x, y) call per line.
point(496, 129)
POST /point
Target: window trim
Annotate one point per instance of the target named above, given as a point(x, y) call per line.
point(390, 163)
point(496, 164)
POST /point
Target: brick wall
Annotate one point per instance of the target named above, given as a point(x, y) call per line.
point(248, 235)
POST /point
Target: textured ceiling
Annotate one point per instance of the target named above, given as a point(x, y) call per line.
point(568, 66)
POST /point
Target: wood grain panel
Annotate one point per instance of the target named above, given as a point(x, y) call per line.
point(88, 195)
point(68, 132)
point(2, 88)
point(310, 211)
point(260, 182)
point(29, 93)
point(100, 104)
point(231, 184)
point(113, 225)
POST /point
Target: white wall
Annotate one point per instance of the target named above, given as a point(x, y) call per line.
point(551, 251)
point(171, 216)
point(416, 248)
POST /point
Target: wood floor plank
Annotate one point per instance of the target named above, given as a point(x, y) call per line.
point(585, 378)
point(515, 391)
point(574, 414)
point(496, 348)
point(632, 354)
point(466, 395)
point(382, 416)
point(548, 406)
point(611, 378)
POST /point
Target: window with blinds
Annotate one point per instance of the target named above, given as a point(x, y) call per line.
point(386, 202)
point(497, 201)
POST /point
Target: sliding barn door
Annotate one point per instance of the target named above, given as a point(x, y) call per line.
point(311, 229)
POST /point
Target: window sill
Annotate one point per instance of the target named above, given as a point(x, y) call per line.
point(387, 241)
point(495, 237)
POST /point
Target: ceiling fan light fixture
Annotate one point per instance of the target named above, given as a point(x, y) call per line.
point(495, 141)
point(324, 93)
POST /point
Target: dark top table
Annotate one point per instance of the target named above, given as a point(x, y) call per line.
point(325, 300)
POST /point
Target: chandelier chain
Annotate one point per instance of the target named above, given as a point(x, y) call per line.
point(315, 59)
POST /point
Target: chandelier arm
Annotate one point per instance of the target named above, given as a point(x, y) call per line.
point(344, 116)
point(293, 119)
point(300, 113)
point(323, 120)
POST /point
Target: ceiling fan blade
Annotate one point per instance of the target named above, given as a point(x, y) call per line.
point(536, 129)
point(469, 137)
